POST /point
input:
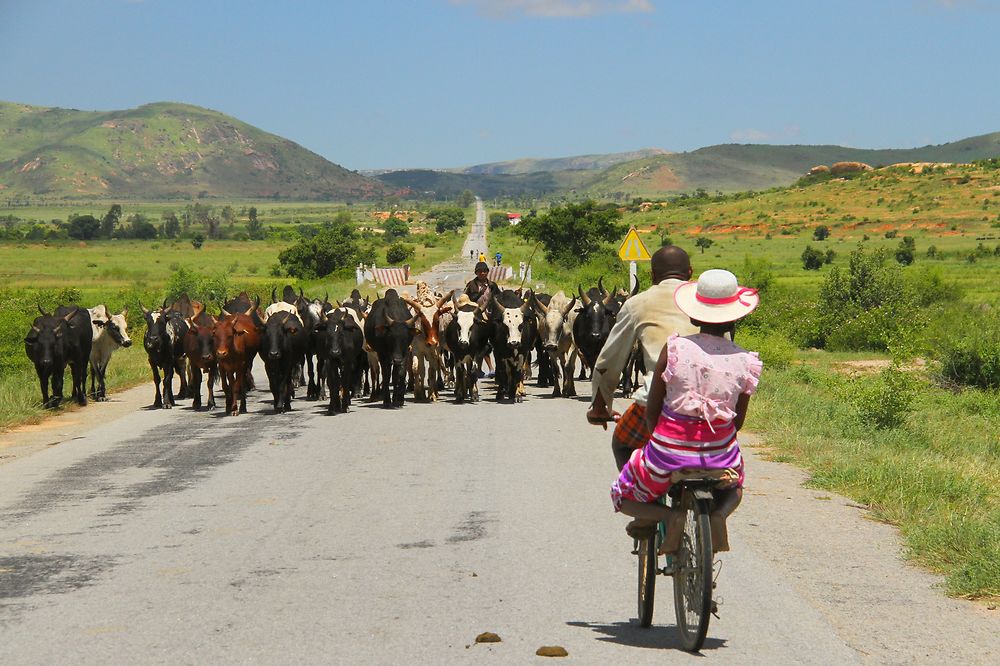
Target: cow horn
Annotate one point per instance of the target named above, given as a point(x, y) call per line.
point(164, 306)
point(569, 308)
point(274, 295)
point(326, 297)
point(608, 297)
point(497, 305)
point(524, 307)
point(600, 286)
point(413, 304)
point(583, 296)
point(412, 321)
point(338, 303)
point(44, 313)
point(125, 312)
point(444, 299)
point(635, 289)
point(69, 315)
point(223, 313)
point(143, 308)
point(541, 307)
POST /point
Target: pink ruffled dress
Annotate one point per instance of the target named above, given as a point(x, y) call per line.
point(704, 378)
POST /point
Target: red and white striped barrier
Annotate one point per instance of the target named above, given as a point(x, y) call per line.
point(500, 273)
point(392, 277)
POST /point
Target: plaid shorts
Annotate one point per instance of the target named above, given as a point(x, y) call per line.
point(631, 430)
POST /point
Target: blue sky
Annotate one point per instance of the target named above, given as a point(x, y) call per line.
point(440, 83)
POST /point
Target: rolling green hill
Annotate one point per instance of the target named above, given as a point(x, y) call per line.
point(446, 185)
point(736, 167)
point(575, 163)
point(157, 151)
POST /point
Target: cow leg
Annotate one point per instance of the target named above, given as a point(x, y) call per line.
point(419, 390)
point(168, 386)
point(180, 368)
point(195, 386)
point(460, 382)
point(158, 402)
point(93, 375)
point(569, 369)
point(398, 383)
point(386, 369)
point(554, 365)
point(312, 392)
point(213, 374)
point(102, 391)
point(240, 391)
point(44, 374)
point(434, 375)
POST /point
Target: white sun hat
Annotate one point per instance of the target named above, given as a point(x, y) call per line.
point(716, 298)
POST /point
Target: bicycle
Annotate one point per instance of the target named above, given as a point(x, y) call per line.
point(691, 568)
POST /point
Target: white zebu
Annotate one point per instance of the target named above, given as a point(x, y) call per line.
point(557, 339)
point(110, 333)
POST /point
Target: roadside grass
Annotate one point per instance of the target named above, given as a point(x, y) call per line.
point(20, 394)
point(936, 476)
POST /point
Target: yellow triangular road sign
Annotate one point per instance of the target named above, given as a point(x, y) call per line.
point(632, 248)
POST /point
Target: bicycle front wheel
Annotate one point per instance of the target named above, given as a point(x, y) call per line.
point(693, 574)
point(646, 549)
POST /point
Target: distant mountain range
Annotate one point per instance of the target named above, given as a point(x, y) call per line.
point(167, 150)
point(158, 151)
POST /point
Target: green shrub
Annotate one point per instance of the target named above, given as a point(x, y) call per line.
point(397, 253)
point(775, 350)
point(970, 353)
point(881, 401)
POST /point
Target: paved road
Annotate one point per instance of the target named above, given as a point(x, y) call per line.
point(396, 536)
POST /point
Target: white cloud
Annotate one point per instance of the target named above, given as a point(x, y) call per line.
point(557, 8)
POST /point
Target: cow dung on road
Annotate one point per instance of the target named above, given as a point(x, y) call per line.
point(487, 637)
point(552, 651)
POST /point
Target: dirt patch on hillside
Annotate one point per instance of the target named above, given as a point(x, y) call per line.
point(664, 179)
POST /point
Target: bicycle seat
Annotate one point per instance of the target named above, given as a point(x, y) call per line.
point(720, 478)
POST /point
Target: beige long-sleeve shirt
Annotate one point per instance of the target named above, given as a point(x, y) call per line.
point(651, 317)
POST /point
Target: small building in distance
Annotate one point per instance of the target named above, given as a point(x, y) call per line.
point(513, 218)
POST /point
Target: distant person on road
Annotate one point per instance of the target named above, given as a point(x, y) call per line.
point(697, 403)
point(649, 318)
point(482, 259)
point(481, 291)
point(498, 257)
point(472, 255)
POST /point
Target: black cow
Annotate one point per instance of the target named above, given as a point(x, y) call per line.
point(47, 345)
point(79, 340)
point(283, 344)
point(389, 330)
point(515, 329)
point(593, 324)
point(467, 338)
point(164, 344)
point(340, 341)
point(368, 373)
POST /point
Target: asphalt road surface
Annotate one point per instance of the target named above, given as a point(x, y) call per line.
point(130, 535)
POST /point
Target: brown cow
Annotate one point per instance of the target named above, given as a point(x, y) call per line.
point(199, 347)
point(237, 341)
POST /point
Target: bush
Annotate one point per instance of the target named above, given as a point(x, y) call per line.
point(867, 306)
point(334, 247)
point(775, 350)
point(397, 253)
point(498, 221)
point(882, 401)
point(209, 289)
point(968, 347)
point(757, 273)
point(396, 228)
point(812, 259)
point(571, 234)
point(822, 232)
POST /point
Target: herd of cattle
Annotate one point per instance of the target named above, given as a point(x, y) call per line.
point(340, 350)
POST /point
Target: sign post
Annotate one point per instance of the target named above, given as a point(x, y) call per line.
point(632, 250)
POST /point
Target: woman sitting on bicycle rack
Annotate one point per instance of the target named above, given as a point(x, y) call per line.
point(697, 402)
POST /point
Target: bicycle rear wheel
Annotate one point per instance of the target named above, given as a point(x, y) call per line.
point(647, 578)
point(693, 574)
